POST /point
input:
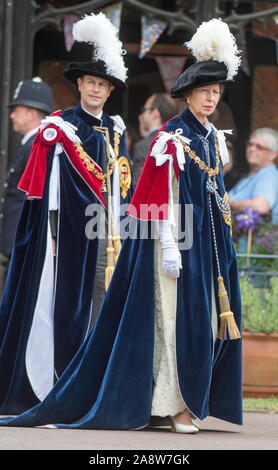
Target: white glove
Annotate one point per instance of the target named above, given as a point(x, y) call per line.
point(171, 257)
point(119, 125)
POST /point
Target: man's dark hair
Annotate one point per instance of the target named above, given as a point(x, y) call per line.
point(167, 106)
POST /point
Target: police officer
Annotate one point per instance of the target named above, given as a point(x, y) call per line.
point(31, 102)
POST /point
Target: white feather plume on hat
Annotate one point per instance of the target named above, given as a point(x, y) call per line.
point(213, 40)
point(102, 34)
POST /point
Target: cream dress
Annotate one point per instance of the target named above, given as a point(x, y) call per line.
point(167, 399)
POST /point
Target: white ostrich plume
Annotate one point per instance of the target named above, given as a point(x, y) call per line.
point(213, 40)
point(102, 34)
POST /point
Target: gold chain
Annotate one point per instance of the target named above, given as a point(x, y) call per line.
point(211, 171)
point(91, 166)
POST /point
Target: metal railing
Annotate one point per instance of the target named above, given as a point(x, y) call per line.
point(258, 275)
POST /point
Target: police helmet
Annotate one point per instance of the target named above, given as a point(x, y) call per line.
point(33, 93)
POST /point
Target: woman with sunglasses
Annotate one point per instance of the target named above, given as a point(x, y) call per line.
point(259, 189)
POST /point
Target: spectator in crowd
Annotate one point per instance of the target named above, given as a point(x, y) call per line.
point(132, 136)
point(223, 118)
point(158, 108)
point(32, 100)
point(259, 189)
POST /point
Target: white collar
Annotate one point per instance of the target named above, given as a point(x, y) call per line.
point(209, 127)
point(28, 135)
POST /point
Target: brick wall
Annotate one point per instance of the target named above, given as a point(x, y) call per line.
point(269, 27)
point(265, 81)
point(265, 97)
point(65, 93)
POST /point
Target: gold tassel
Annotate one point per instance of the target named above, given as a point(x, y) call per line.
point(108, 276)
point(112, 257)
point(114, 241)
point(226, 316)
point(110, 263)
point(117, 247)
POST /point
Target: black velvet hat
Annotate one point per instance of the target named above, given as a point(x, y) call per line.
point(200, 74)
point(95, 68)
point(107, 53)
point(216, 58)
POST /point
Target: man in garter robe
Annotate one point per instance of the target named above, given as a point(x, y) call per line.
point(167, 340)
point(55, 286)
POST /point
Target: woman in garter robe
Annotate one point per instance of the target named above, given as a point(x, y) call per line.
point(167, 340)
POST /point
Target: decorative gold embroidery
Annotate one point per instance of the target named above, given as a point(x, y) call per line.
point(227, 214)
point(222, 202)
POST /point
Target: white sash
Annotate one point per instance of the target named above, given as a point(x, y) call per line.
point(39, 357)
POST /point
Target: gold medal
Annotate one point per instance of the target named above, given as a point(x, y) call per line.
point(125, 175)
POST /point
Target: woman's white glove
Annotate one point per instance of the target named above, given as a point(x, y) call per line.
point(171, 257)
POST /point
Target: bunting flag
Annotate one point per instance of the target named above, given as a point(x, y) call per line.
point(68, 21)
point(114, 13)
point(151, 30)
point(170, 68)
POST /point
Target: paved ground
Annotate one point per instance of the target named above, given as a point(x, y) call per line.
point(259, 432)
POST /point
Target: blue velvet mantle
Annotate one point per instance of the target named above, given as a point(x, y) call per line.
point(108, 384)
point(75, 271)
